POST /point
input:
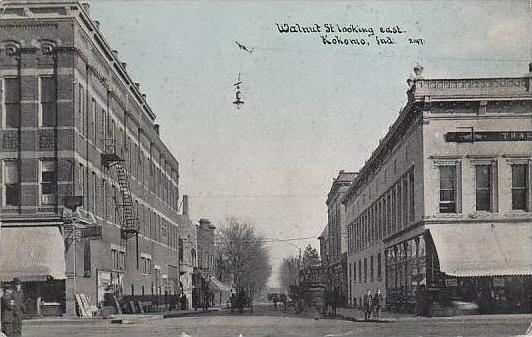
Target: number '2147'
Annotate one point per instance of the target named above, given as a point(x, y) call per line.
point(416, 41)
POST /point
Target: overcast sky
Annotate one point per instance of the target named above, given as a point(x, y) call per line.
point(310, 109)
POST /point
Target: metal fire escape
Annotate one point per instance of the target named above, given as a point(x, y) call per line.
point(128, 219)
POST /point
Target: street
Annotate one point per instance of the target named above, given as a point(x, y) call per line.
point(269, 323)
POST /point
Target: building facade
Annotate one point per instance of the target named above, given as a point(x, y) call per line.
point(335, 241)
point(441, 210)
point(77, 131)
point(187, 253)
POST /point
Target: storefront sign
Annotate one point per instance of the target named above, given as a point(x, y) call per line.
point(451, 282)
point(498, 282)
point(488, 136)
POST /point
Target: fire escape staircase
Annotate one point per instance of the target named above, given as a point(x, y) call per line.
point(128, 219)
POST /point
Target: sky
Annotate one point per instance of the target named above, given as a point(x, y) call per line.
point(311, 109)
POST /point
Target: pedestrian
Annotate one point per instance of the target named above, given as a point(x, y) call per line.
point(232, 300)
point(367, 305)
point(8, 309)
point(183, 301)
point(377, 304)
point(20, 308)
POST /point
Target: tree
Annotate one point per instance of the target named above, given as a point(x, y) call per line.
point(310, 257)
point(243, 257)
point(288, 272)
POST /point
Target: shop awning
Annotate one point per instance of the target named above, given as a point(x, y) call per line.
point(217, 285)
point(483, 249)
point(31, 253)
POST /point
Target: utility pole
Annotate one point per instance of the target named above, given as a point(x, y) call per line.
point(298, 266)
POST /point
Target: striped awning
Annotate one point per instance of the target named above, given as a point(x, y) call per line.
point(32, 253)
point(483, 249)
point(217, 285)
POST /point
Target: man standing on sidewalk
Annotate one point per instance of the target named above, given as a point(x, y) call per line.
point(377, 304)
point(19, 308)
point(367, 305)
point(8, 307)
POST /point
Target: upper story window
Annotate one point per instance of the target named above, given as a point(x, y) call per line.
point(12, 102)
point(48, 182)
point(448, 183)
point(81, 109)
point(520, 187)
point(484, 187)
point(11, 183)
point(47, 101)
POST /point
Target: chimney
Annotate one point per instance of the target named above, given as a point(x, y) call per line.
point(115, 52)
point(124, 65)
point(144, 96)
point(97, 24)
point(156, 127)
point(137, 84)
point(185, 204)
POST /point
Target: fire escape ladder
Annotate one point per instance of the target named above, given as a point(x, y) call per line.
point(128, 219)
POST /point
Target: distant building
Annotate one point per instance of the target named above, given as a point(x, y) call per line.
point(187, 252)
point(207, 287)
point(333, 241)
point(441, 211)
point(77, 131)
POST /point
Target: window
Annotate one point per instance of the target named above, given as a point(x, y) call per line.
point(81, 109)
point(359, 270)
point(119, 259)
point(87, 265)
point(447, 189)
point(93, 118)
point(520, 187)
point(483, 187)
point(94, 192)
point(81, 179)
point(47, 100)
point(104, 192)
point(365, 270)
point(411, 185)
point(146, 265)
point(48, 182)
point(163, 229)
point(11, 183)
point(12, 102)
point(104, 118)
point(379, 266)
point(371, 269)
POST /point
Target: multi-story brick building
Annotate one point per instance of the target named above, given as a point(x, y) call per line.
point(335, 239)
point(441, 211)
point(74, 123)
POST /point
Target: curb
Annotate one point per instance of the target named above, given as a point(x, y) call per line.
point(189, 313)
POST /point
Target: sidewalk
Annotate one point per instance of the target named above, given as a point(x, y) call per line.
point(352, 314)
point(387, 316)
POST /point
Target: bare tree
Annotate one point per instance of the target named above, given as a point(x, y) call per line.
point(310, 257)
point(243, 257)
point(288, 272)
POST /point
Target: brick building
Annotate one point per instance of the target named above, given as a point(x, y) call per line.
point(334, 239)
point(441, 211)
point(75, 126)
point(207, 287)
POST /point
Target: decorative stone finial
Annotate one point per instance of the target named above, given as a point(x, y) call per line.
point(418, 70)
